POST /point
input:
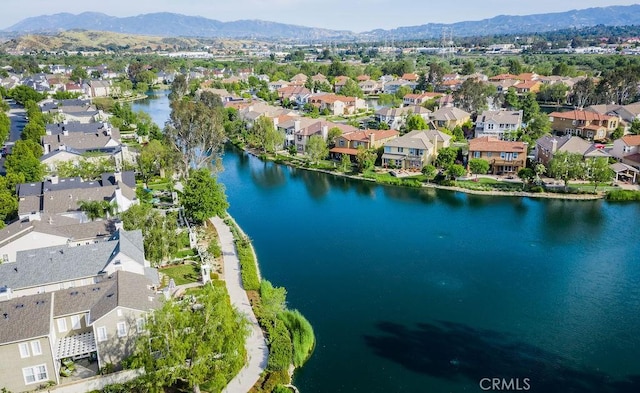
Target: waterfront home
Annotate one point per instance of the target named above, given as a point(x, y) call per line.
point(500, 124)
point(419, 99)
point(627, 150)
point(293, 125)
point(318, 127)
point(62, 196)
point(41, 335)
point(450, 117)
point(415, 149)
point(548, 145)
point(97, 88)
point(392, 87)
point(583, 123)
point(504, 157)
point(349, 143)
point(50, 231)
point(370, 87)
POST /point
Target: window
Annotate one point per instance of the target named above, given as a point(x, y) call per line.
point(75, 322)
point(341, 142)
point(490, 126)
point(35, 348)
point(35, 374)
point(102, 333)
point(62, 325)
point(140, 325)
point(387, 149)
point(502, 155)
point(400, 150)
point(24, 350)
point(515, 155)
point(122, 329)
point(488, 154)
point(119, 312)
point(476, 154)
point(5, 257)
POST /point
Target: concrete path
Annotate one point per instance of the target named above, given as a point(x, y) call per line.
point(256, 345)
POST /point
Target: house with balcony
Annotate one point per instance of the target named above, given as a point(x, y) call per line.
point(42, 335)
point(318, 127)
point(369, 139)
point(499, 124)
point(415, 149)
point(504, 157)
point(586, 124)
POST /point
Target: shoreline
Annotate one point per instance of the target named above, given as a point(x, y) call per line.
point(522, 194)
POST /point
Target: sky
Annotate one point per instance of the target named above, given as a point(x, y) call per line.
point(354, 15)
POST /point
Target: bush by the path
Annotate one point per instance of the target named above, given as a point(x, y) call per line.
point(301, 335)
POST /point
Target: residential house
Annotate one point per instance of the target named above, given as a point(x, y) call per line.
point(548, 145)
point(52, 268)
point(299, 79)
point(41, 333)
point(450, 117)
point(583, 123)
point(627, 150)
point(319, 127)
point(504, 157)
point(338, 105)
point(61, 197)
point(527, 87)
point(397, 117)
point(369, 139)
point(50, 231)
point(279, 84)
point(319, 78)
point(411, 77)
point(97, 88)
point(339, 82)
point(290, 127)
point(627, 113)
point(415, 149)
point(362, 78)
point(370, 87)
point(293, 92)
point(392, 87)
point(419, 99)
point(500, 124)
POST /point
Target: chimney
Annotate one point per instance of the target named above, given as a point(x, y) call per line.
point(54, 179)
point(372, 140)
point(325, 132)
point(118, 177)
point(296, 125)
point(554, 145)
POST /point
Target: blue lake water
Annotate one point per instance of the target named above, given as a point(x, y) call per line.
point(432, 291)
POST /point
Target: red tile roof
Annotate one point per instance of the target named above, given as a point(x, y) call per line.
point(631, 140)
point(491, 144)
point(580, 115)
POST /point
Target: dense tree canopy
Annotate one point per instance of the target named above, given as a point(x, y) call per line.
point(203, 196)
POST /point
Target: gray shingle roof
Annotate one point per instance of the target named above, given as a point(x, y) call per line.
point(50, 265)
point(25, 317)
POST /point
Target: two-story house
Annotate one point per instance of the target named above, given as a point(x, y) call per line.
point(419, 99)
point(415, 149)
point(396, 117)
point(52, 268)
point(450, 117)
point(338, 105)
point(41, 333)
point(369, 139)
point(499, 124)
point(627, 150)
point(504, 157)
point(318, 127)
point(583, 123)
point(548, 145)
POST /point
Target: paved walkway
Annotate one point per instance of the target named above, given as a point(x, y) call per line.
point(256, 345)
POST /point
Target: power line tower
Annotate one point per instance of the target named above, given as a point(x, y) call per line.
point(447, 48)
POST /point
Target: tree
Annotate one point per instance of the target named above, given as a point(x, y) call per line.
point(158, 231)
point(468, 68)
point(23, 93)
point(599, 171)
point(78, 74)
point(154, 158)
point(316, 148)
point(351, 89)
point(422, 82)
point(556, 92)
point(472, 95)
point(25, 159)
point(365, 158)
point(617, 133)
point(526, 175)
point(566, 166)
point(446, 157)
point(203, 196)
point(334, 132)
point(540, 170)
point(345, 163)
point(529, 106)
point(261, 128)
point(33, 131)
point(97, 209)
point(8, 201)
point(429, 171)
point(193, 342)
point(583, 92)
point(478, 166)
point(196, 131)
point(5, 127)
point(515, 66)
point(454, 171)
point(511, 99)
point(634, 128)
point(273, 139)
point(436, 73)
point(416, 122)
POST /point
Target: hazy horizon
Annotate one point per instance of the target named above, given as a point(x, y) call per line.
point(355, 15)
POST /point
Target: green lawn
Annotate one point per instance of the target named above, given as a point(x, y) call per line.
point(183, 274)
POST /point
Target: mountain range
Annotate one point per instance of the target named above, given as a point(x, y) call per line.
point(176, 25)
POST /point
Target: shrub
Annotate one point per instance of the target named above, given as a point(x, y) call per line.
point(281, 389)
point(275, 379)
point(280, 347)
point(448, 183)
point(250, 279)
point(302, 335)
point(214, 249)
point(536, 189)
point(623, 195)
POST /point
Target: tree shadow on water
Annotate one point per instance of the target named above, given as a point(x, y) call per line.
point(457, 352)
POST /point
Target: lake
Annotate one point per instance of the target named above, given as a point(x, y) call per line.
point(436, 291)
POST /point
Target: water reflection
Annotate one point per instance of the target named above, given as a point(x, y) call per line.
point(569, 221)
point(317, 184)
point(268, 175)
